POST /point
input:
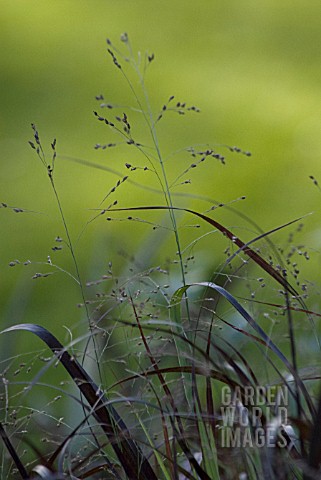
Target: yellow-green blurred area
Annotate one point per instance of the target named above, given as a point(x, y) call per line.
point(252, 68)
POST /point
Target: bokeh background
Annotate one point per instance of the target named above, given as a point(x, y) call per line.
point(254, 70)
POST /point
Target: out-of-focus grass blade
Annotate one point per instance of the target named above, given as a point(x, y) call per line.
point(208, 445)
point(129, 454)
point(315, 441)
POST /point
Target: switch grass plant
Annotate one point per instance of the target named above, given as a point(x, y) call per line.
point(173, 376)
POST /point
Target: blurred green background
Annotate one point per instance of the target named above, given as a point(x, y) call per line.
point(254, 70)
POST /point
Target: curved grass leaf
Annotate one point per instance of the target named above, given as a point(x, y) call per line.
point(206, 372)
point(283, 307)
point(243, 247)
point(178, 295)
point(128, 452)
